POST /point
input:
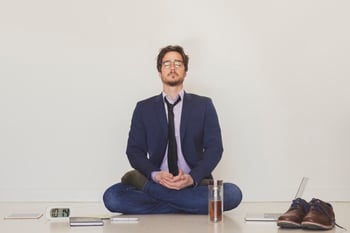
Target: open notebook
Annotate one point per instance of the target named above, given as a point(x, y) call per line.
point(274, 216)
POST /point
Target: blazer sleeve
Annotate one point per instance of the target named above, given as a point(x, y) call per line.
point(212, 147)
point(137, 148)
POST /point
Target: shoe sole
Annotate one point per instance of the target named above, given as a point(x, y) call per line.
point(288, 224)
point(315, 226)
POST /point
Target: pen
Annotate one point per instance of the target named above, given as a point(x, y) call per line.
point(121, 219)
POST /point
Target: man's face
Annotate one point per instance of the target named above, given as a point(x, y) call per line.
point(172, 71)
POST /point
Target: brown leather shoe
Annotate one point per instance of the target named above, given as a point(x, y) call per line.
point(319, 217)
point(294, 215)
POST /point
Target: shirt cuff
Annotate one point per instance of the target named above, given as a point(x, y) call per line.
point(153, 175)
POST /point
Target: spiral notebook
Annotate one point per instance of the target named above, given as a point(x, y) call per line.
point(270, 217)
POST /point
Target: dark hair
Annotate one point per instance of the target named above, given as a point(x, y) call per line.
point(172, 48)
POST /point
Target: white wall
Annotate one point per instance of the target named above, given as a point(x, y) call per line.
point(71, 73)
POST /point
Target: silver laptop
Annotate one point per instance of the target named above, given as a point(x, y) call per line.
point(274, 216)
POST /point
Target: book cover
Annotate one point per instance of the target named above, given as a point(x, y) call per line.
point(85, 221)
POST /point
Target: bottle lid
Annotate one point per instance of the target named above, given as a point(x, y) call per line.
point(215, 182)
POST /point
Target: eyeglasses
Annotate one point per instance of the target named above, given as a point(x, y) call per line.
point(177, 64)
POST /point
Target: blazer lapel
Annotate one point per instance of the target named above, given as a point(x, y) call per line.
point(160, 109)
point(185, 115)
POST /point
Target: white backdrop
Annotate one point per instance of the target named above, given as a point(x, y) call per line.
point(71, 72)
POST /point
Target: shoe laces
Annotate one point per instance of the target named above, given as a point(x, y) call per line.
point(298, 202)
point(315, 204)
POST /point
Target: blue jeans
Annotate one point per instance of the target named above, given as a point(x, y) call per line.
point(156, 199)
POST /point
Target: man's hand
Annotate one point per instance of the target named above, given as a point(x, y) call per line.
point(174, 182)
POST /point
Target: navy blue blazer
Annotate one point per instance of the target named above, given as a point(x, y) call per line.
point(200, 135)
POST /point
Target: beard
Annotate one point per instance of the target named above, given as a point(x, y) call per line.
point(173, 82)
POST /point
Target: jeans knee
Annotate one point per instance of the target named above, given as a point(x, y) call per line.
point(110, 201)
point(107, 199)
point(232, 196)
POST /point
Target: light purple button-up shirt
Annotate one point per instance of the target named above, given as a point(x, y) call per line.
point(181, 162)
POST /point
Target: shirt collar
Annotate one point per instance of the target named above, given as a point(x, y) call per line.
point(181, 94)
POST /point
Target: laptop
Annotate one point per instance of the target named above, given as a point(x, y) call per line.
point(271, 217)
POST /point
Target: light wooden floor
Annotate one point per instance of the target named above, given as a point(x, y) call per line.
point(233, 220)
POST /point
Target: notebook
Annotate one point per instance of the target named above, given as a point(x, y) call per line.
point(85, 221)
point(274, 216)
